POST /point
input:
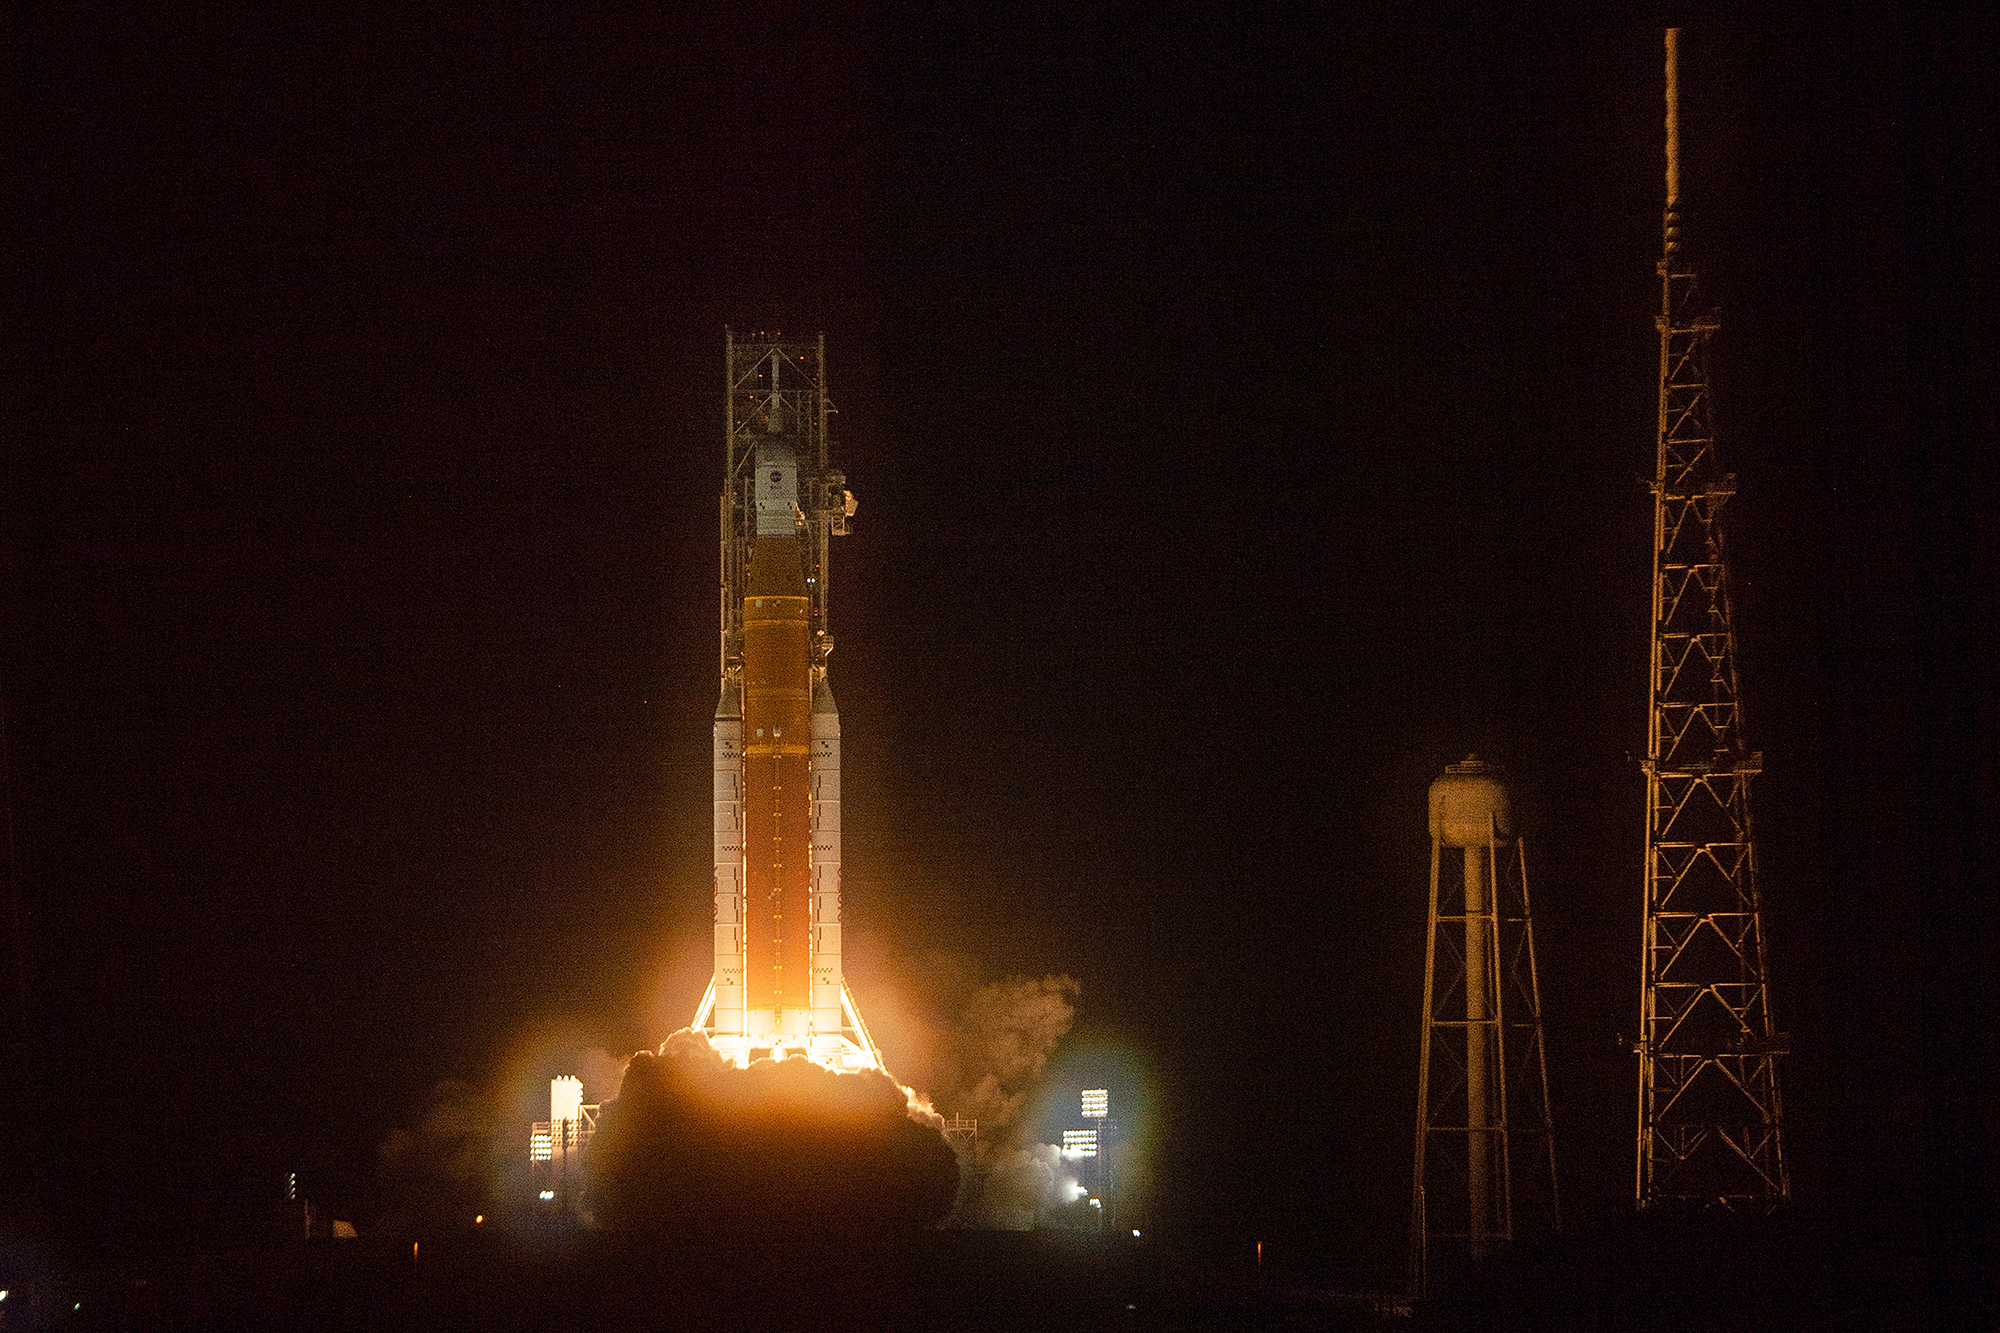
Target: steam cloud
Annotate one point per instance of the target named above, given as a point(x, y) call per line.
point(600, 1072)
point(1000, 1047)
point(987, 1070)
point(434, 1175)
point(695, 1150)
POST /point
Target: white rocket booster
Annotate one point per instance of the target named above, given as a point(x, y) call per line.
point(726, 1018)
point(826, 978)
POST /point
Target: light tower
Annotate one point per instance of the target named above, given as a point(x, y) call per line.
point(1485, 1159)
point(777, 988)
point(559, 1147)
point(1710, 1119)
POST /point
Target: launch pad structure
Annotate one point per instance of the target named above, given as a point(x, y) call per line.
point(778, 988)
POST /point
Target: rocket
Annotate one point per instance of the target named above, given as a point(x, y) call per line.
point(777, 989)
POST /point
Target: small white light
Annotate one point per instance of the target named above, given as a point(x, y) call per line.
point(548, 1194)
point(1135, 1232)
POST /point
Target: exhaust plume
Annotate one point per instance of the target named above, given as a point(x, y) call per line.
point(698, 1150)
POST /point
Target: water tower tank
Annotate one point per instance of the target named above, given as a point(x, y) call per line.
point(1469, 805)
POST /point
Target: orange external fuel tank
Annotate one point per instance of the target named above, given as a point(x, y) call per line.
point(777, 793)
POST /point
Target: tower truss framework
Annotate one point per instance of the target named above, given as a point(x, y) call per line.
point(776, 390)
point(1710, 1128)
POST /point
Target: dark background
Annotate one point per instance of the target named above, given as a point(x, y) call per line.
point(1247, 410)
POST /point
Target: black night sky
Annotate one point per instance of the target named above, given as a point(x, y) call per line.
point(1247, 412)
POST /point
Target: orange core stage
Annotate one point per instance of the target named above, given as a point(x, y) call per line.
point(777, 816)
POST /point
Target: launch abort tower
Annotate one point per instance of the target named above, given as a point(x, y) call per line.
point(777, 988)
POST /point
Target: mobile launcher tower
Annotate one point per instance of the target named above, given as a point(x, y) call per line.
point(777, 989)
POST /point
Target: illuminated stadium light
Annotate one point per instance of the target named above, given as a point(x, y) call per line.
point(1079, 1143)
point(563, 1140)
point(565, 1098)
point(1096, 1103)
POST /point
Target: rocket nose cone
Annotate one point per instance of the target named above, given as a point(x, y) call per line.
point(823, 698)
point(730, 707)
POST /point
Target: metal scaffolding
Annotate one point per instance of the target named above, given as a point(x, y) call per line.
point(1710, 1118)
point(777, 390)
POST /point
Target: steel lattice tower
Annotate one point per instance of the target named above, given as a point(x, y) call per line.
point(1710, 1118)
point(777, 389)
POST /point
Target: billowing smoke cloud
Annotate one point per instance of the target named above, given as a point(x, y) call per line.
point(986, 1068)
point(600, 1072)
point(695, 1150)
point(1007, 1188)
point(434, 1174)
point(1000, 1046)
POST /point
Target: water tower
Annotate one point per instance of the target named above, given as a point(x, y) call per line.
point(1485, 1159)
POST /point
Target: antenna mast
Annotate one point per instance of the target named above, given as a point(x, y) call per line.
point(1710, 1118)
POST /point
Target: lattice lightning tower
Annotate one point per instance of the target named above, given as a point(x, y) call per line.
point(1710, 1118)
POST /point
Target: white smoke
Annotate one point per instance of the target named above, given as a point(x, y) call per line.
point(1000, 1046)
point(1011, 1188)
point(601, 1073)
point(986, 1070)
